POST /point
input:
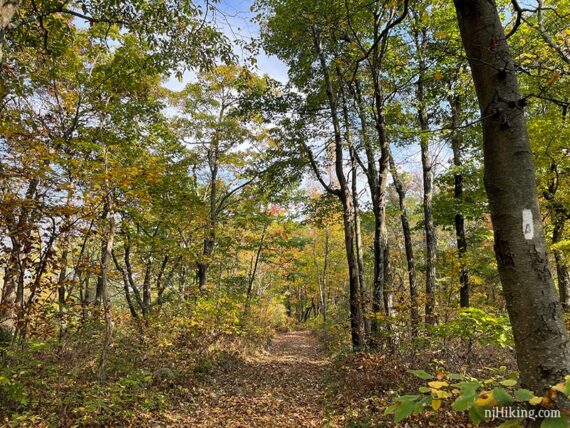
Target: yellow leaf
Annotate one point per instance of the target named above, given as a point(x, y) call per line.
point(438, 75)
point(440, 394)
point(437, 384)
point(435, 404)
point(486, 399)
point(535, 401)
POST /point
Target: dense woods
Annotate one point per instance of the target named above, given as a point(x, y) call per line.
point(380, 239)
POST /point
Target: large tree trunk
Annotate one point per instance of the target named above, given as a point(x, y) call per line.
point(456, 141)
point(541, 339)
point(414, 312)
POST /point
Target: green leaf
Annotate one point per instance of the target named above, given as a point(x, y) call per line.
point(424, 389)
point(464, 402)
point(508, 382)
point(422, 374)
point(560, 422)
point(392, 409)
point(502, 397)
point(455, 376)
point(476, 414)
point(513, 423)
point(408, 398)
point(523, 394)
point(405, 410)
point(467, 385)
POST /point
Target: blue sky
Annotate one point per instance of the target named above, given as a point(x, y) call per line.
point(236, 21)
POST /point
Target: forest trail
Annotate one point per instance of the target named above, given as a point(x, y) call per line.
point(283, 387)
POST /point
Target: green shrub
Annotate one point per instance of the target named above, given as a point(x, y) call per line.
point(468, 394)
point(477, 326)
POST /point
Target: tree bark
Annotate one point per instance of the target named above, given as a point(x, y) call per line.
point(562, 274)
point(13, 287)
point(414, 311)
point(325, 271)
point(456, 142)
point(541, 339)
point(356, 207)
point(103, 280)
point(105, 301)
point(256, 263)
point(377, 177)
point(210, 239)
point(427, 175)
point(358, 244)
point(343, 193)
point(8, 9)
point(382, 301)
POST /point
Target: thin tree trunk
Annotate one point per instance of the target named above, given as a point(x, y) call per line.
point(541, 339)
point(104, 241)
point(356, 207)
point(414, 311)
point(456, 141)
point(105, 298)
point(256, 263)
point(427, 174)
point(325, 271)
point(382, 301)
point(210, 239)
point(562, 274)
point(356, 318)
point(378, 209)
point(358, 246)
point(13, 289)
point(8, 306)
point(146, 289)
point(126, 287)
point(61, 290)
point(102, 283)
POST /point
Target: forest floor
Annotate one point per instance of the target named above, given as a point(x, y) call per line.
point(292, 383)
point(283, 386)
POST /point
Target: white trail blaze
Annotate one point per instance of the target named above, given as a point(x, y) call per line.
point(527, 224)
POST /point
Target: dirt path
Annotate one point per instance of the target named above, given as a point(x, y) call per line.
point(280, 388)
